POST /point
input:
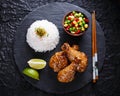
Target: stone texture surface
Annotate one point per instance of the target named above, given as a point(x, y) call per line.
point(12, 13)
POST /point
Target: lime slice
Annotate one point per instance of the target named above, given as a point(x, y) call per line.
point(31, 73)
point(37, 63)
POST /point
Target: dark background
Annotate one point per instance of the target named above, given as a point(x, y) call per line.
point(12, 13)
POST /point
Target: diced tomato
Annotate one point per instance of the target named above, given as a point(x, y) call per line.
point(72, 23)
point(78, 31)
point(76, 19)
point(86, 20)
point(69, 18)
point(67, 28)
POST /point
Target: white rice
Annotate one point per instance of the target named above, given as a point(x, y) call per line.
point(45, 43)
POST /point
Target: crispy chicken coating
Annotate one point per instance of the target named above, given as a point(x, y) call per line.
point(76, 47)
point(68, 73)
point(58, 61)
point(72, 54)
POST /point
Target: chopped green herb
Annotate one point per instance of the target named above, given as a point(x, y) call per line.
point(40, 31)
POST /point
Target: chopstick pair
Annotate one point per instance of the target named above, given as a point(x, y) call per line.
point(94, 49)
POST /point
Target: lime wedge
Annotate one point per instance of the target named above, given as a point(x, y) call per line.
point(37, 63)
point(31, 73)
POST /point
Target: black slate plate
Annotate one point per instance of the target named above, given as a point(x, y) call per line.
point(54, 12)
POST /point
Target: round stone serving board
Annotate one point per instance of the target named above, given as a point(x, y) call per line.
point(54, 12)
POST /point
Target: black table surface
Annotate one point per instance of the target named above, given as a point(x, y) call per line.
point(12, 13)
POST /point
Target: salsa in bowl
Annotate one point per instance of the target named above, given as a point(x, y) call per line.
point(75, 23)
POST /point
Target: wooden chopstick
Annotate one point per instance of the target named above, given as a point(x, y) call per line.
point(96, 55)
point(93, 46)
point(94, 49)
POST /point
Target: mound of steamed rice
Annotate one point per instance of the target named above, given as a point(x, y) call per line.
point(45, 43)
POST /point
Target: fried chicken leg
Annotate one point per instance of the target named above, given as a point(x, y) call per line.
point(72, 53)
point(58, 61)
point(67, 74)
